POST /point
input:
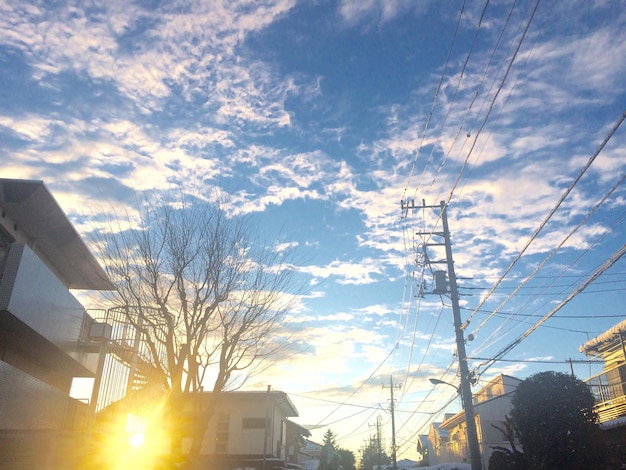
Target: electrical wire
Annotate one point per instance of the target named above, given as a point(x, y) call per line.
point(319, 424)
point(495, 97)
point(601, 269)
point(437, 91)
point(554, 250)
point(550, 214)
point(497, 337)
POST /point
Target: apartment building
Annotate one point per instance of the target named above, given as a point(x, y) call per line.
point(43, 327)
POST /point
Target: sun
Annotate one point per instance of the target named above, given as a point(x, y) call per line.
point(137, 440)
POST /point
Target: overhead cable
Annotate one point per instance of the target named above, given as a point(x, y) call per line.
point(599, 271)
point(550, 214)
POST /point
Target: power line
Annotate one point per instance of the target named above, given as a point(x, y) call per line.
point(432, 109)
point(606, 265)
point(537, 361)
point(357, 389)
point(495, 97)
point(545, 221)
point(580, 317)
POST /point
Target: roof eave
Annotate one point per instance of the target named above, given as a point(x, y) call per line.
point(36, 213)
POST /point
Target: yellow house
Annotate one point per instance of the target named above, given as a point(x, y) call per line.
point(491, 404)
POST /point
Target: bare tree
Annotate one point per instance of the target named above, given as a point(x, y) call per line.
point(207, 297)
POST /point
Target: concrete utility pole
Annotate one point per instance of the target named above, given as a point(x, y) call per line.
point(465, 388)
point(393, 427)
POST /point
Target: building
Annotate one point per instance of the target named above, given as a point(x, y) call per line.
point(437, 448)
point(47, 339)
point(43, 327)
point(423, 449)
point(491, 404)
point(249, 430)
point(609, 387)
point(312, 455)
point(296, 443)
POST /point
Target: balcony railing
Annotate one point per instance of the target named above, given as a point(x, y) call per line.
point(609, 391)
point(127, 362)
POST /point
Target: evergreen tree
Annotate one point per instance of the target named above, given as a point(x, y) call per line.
point(330, 458)
point(553, 418)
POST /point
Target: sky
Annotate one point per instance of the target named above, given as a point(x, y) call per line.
point(317, 118)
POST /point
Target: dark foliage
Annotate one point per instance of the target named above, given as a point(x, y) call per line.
point(553, 418)
point(504, 458)
point(347, 459)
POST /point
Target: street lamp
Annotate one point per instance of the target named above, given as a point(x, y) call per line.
point(472, 437)
point(438, 382)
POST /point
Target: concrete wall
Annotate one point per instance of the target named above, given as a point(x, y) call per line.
point(30, 404)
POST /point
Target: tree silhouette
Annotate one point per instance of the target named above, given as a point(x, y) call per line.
point(330, 457)
point(206, 296)
point(347, 459)
point(553, 417)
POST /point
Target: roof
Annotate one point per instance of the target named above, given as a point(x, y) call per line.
point(300, 429)
point(439, 430)
point(606, 341)
point(280, 399)
point(37, 214)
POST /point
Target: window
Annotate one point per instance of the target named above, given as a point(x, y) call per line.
point(5, 240)
point(253, 423)
point(221, 433)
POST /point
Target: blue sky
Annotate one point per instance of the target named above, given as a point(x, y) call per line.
point(318, 118)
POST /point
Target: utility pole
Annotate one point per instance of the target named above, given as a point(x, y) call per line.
point(393, 427)
point(465, 388)
point(376, 444)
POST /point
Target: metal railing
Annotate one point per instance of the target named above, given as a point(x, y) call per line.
point(609, 391)
point(127, 361)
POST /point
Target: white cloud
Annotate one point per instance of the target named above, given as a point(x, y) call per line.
point(354, 11)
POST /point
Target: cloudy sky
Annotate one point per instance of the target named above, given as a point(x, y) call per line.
point(317, 118)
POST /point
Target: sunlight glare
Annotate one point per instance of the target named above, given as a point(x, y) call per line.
point(137, 440)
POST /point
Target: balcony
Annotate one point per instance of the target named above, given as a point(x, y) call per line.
point(609, 391)
point(43, 318)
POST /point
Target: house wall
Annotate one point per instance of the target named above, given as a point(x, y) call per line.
point(493, 413)
point(439, 448)
point(491, 404)
point(249, 440)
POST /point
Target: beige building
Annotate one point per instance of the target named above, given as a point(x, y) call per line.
point(252, 430)
point(492, 403)
point(609, 387)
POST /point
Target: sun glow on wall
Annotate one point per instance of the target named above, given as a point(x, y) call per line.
point(131, 441)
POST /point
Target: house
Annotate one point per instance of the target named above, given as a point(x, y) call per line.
point(491, 404)
point(313, 453)
point(438, 442)
point(296, 454)
point(423, 446)
point(250, 429)
point(609, 387)
point(42, 326)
